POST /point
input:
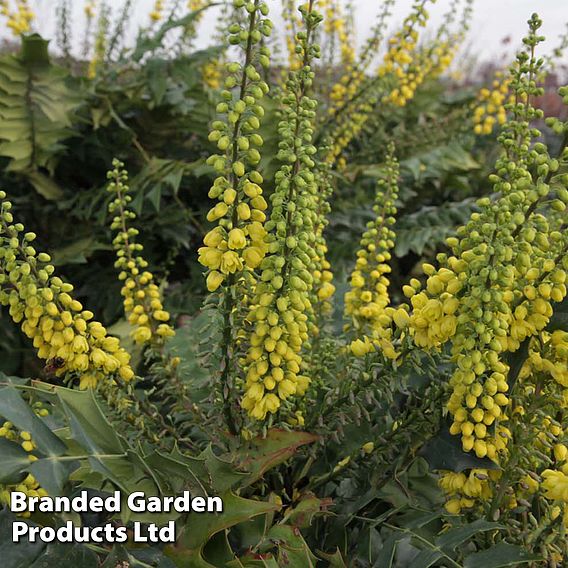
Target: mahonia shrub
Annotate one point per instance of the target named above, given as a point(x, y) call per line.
point(359, 419)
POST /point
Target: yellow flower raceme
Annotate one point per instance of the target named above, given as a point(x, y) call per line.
point(142, 298)
point(236, 245)
point(400, 58)
point(29, 484)
point(463, 489)
point(100, 46)
point(211, 72)
point(367, 302)
point(354, 74)
point(18, 19)
point(403, 70)
point(292, 22)
point(496, 288)
point(89, 9)
point(489, 108)
point(63, 333)
point(337, 31)
point(281, 304)
point(323, 288)
point(157, 12)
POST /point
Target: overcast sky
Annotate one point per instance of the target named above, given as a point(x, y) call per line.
point(493, 19)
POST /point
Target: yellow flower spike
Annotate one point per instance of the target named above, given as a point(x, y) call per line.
point(404, 68)
point(29, 485)
point(19, 20)
point(49, 316)
point(142, 298)
point(101, 43)
point(489, 109)
point(156, 14)
point(236, 244)
point(490, 293)
point(367, 301)
point(281, 305)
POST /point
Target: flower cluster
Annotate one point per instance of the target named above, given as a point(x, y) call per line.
point(367, 301)
point(555, 487)
point(323, 287)
point(89, 9)
point(238, 241)
point(403, 70)
point(18, 20)
point(281, 304)
point(142, 297)
point(539, 455)
point(193, 5)
point(292, 22)
point(63, 332)
point(336, 29)
point(157, 12)
point(497, 287)
point(401, 55)
point(491, 298)
point(464, 488)
point(407, 66)
point(100, 46)
point(29, 485)
point(550, 357)
point(352, 79)
point(489, 109)
point(211, 73)
point(443, 49)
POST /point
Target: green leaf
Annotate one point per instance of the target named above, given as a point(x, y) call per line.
point(200, 528)
point(181, 472)
point(444, 451)
point(155, 196)
point(426, 558)
point(77, 252)
point(52, 469)
point(14, 462)
point(14, 409)
point(16, 555)
point(37, 112)
point(218, 551)
point(267, 452)
point(459, 535)
point(222, 474)
point(292, 548)
point(256, 561)
point(44, 185)
point(500, 555)
point(66, 556)
point(157, 78)
point(430, 225)
point(53, 472)
point(88, 422)
point(516, 360)
point(34, 50)
point(335, 560)
point(304, 512)
point(147, 43)
point(107, 452)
